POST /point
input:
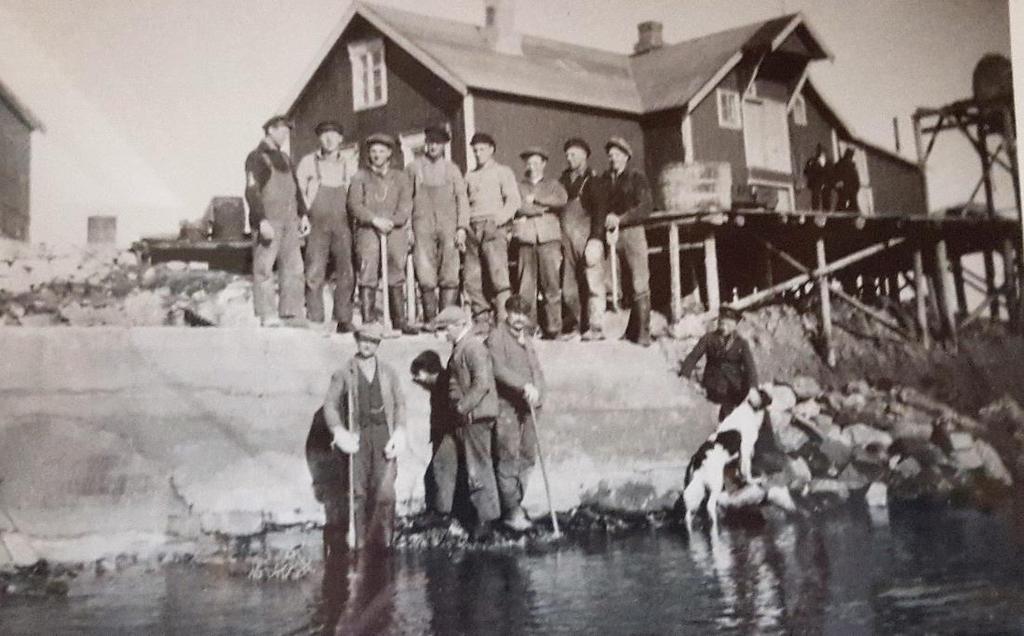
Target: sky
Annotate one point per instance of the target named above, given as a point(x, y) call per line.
point(181, 88)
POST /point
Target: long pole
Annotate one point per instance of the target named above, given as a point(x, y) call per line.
point(389, 331)
point(612, 237)
point(350, 538)
point(544, 473)
point(826, 304)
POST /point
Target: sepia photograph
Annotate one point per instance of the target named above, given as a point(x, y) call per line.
point(473, 317)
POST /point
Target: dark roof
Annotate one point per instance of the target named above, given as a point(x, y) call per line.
point(548, 69)
point(20, 110)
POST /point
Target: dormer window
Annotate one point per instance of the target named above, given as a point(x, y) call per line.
point(369, 74)
point(729, 109)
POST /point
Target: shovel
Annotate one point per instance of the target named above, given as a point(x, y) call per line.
point(612, 236)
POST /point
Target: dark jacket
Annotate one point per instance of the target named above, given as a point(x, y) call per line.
point(585, 191)
point(515, 366)
point(846, 177)
point(818, 175)
point(259, 165)
point(729, 372)
point(627, 195)
point(471, 382)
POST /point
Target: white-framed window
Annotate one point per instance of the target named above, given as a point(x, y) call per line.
point(776, 195)
point(369, 74)
point(799, 110)
point(728, 108)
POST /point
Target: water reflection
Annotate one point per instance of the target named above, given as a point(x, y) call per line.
point(358, 591)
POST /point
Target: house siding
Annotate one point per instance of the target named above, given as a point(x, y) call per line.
point(15, 161)
point(516, 123)
point(898, 187)
point(663, 140)
point(804, 140)
point(714, 143)
point(416, 98)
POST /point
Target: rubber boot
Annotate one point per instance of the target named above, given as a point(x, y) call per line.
point(642, 307)
point(449, 297)
point(396, 294)
point(367, 302)
point(429, 298)
point(595, 316)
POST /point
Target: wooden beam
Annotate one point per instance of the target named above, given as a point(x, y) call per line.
point(958, 285)
point(944, 282)
point(826, 304)
point(990, 285)
point(800, 279)
point(920, 303)
point(675, 272)
point(1009, 281)
point(711, 273)
point(978, 311)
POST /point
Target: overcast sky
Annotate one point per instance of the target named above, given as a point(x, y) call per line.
point(190, 81)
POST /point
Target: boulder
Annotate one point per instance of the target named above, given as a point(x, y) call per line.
point(807, 409)
point(992, 463)
point(838, 453)
point(853, 478)
point(960, 441)
point(908, 468)
point(858, 387)
point(862, 435)
point(805, 388)
point(912, 429)
point(783, 397)
point(877, 495)
point(833, 487)
point(854, 402)
point(797, 473)
point(788, 436)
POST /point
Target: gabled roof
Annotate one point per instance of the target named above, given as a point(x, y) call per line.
point(20, 110)
point(670, 77)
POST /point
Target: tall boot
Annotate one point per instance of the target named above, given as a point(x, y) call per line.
point(367, 302)
point(499, 306)
point(396, 294)
point(449, 297)
point(429, 297)
point(642, 308)
point(595, 316)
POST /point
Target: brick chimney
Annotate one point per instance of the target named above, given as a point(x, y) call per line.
point(648, 37)
point(500, 27)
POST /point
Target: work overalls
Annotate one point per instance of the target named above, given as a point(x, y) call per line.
point(434, 221)
point(280, 205)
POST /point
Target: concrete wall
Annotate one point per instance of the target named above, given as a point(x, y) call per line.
point(151, 430)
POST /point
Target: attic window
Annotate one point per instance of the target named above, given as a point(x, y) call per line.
point(799, 110)
point(728, 109)
point(369, 74)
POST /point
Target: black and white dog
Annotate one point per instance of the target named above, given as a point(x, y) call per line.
point(733, 441)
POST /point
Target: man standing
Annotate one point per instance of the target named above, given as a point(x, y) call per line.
point(440, 220)
point(582, 244)
point(818, 174)
point(475, 400)
point(538, 235)
point(380, 199)
point(493, 201)
point(847, 183)
point(442, 474)
point(323, 181)
point(729, 373)
point(520, 386)
point(277, 219)
point(365, 413)
point(627, 202)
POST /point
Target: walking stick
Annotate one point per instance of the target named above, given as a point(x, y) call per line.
point(544, 473)
point(612, 237)
point(350, 538)
point(389, 331)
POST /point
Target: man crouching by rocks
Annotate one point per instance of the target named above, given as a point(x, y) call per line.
point(365, 412)
point(520, 385)
point(475, 401)
point(730, 376)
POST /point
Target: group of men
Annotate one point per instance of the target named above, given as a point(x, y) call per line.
point(833, 186)
point(482, 425)
point(559, 228)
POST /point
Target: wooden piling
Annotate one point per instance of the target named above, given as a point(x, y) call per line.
point(826, 304)
point(990, 284)
point(959, 287)
point(1009, 281)
point(675, 272)
point(711, 273)
point(944, 283)
point(920, 287)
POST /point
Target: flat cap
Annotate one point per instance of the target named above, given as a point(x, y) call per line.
point(327, 126)
point(277, 120)
point(482, 138)
point(451, 315)
point(620, 143)
point(436, 134)
point(370, 331)
point(382, 139)
point(576, 142)
point(533, 150)
point(730, 313)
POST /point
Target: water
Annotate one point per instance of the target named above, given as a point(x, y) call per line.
point(925, 572)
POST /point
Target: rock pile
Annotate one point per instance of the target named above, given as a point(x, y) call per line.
point(883, 443)
point(94, 287)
